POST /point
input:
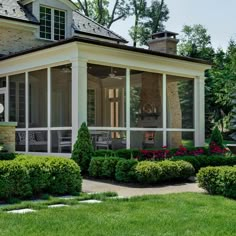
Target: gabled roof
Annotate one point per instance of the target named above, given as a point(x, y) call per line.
point(13, 10)
point(85, 25)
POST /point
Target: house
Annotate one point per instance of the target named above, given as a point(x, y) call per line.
point(59, 68)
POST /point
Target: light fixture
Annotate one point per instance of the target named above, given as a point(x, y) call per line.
point(66, 69)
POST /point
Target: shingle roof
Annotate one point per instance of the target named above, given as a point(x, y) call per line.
point(83, 24)
point(14, 10)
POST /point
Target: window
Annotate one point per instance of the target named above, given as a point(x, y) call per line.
point(17, 99)
point(52, 23)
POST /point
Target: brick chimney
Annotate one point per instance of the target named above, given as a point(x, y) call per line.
point(164, 42)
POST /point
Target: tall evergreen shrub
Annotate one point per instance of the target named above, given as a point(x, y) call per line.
point(83, 149)
point(216, 137)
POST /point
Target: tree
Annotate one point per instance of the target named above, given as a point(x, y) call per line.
point(216, 137)
point(196, 42)
point(138, 8)
point(220, 85)
point(98, 10)
point(83, 149)
point(148, 20)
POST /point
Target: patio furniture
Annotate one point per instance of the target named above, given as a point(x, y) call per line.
point(37, 141)
point(118, 143)
point(103, 140)
point(64, 142)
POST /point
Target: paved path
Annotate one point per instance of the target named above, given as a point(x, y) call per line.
point(128, 191)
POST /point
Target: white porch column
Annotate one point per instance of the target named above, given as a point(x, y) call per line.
point(164, 110)
point(79, 95)
point(199, 110)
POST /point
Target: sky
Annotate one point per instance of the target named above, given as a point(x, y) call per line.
point(217, 16)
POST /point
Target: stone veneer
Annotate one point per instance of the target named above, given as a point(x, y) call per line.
point(7, 135)
point(14, 40)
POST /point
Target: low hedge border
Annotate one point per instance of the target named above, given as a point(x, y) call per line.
point(203, 161)
point(218, 180)
point(145, 172)
point(156, 172)
point(103, 167)
point(28, 176)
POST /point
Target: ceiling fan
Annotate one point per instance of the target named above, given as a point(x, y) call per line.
point(112, 75)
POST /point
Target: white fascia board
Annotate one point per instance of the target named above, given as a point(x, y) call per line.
point(66, 2)
point(18, 24)
point(104, 56)
point(69, 4)
point(41, 59)
point(25, 2)
point(135, 60)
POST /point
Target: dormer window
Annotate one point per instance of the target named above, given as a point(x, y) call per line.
point(52, 23)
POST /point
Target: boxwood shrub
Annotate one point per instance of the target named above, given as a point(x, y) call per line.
point(28, 176)
point(204, 161)
point(218, 180)
point(125, 170)
point(127, 153)
point(103, 167)
point(104, 153)
point(7, 156)
point(14, 180)
point(148, 172)
point(155, 172)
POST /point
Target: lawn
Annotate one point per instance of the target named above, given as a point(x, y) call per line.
point(173, 214)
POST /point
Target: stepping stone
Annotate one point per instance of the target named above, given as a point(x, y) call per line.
point(91, 201)
point(118, 197)
point(68, 197)
point(21, 211)
point(57, 205)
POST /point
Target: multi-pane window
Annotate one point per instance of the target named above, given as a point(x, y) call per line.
point(52, 23)
point(59, 24)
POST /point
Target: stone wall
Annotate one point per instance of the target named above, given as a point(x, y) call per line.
point(13, 40)
point(7, 136)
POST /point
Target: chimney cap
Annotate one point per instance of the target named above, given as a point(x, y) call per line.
point(164, 34)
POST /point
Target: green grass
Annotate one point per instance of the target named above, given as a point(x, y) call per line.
point(173, 214)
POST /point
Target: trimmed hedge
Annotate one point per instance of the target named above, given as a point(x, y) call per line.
point(218, 180)
point(125, 170)
point(14, 180)
point(7, 156)
point(28, 176)
point(147, 172)
point(127, 153)
point(204, 161)
point(103, 167)
point(104, 153)
point(156, 172)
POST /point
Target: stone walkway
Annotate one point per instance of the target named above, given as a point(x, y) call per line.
point(92, 186)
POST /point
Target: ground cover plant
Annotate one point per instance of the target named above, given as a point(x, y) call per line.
point(173, 214)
